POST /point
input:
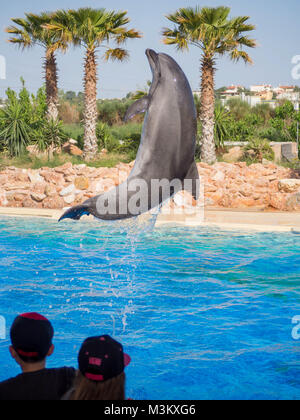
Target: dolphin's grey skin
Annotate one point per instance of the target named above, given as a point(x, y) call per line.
point(167, 146)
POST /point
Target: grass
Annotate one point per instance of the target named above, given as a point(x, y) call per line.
point(73, 130)
point(27, 162)
point(120, 132)
point(130, 130)
point(291, 165)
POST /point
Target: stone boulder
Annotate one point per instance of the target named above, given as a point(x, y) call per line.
point(278, 201)
point(82, 183)
point(71, 148)
point(38, 197)
point(54, 202)
point(289, 185)
point(3, 199)
point(67, 191)
point(293, 202)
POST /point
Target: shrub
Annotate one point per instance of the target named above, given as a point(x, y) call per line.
point(258, 149)
point(129, 137)
point(15, 135)
point(238, 108)
point(106, 140)
point(73, 130)
point(221, 126)
point(51, 134)
point(21, 119)
point(241, 130)
point(264, 111)
point(113, 111)
point(69, 113)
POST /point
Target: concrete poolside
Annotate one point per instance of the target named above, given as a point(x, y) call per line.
point(253, 220)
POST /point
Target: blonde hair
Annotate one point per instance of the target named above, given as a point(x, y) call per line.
point(86, 390)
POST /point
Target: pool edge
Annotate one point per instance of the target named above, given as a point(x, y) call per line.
point(237, 219)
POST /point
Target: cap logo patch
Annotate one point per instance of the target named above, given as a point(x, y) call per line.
point(94, 361)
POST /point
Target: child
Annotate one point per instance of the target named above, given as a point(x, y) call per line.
point(31, 338)
point(101, 374)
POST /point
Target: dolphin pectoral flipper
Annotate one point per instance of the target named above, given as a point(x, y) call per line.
point(137, 107)
point(192, 186)
point(75, 212)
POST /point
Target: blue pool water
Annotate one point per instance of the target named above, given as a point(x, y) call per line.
point(204, 314)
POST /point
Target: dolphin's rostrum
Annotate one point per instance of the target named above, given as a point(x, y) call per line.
point(166, 153)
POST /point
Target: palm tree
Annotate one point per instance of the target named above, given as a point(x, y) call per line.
point(30, 31)
point(93, 28)
point(211, 30)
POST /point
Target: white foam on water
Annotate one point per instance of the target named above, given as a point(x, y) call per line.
point(123, 279)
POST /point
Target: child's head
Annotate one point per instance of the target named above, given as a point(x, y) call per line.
point(31, 338)
point(101, 375)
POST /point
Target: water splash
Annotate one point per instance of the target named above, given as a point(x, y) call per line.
point(135, 230)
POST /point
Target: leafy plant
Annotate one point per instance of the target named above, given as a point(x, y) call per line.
point(221, 126)
point(16, 132)
point(238, 108)
point(258, 149)
point(105, 138)
point(50, 135)
point(129, 137)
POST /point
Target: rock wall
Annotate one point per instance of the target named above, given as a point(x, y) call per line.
point(226, 185)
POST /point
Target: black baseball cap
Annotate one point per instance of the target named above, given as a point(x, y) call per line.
point(102, 358)
point(31, 336)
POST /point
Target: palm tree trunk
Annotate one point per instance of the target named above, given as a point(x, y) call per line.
point(90, 106)
point(207, 117)
point(51, 86)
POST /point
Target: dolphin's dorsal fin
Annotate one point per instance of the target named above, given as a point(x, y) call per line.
point(137, 107)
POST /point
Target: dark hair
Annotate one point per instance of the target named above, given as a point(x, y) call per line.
point(30, 360)
point(110, 390)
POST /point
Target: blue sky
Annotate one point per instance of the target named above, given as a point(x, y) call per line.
point(277, 34)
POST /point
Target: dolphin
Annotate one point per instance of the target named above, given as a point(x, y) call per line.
point(166, 155)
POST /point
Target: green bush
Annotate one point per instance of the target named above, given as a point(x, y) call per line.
point(76, 132)
point(106, 140)
point(21, 119)
point(258, 149)
point(50, 135)
point(16, 134)
point(221, 126)
point(238, 108)
point(129, 137)
point(113, 111)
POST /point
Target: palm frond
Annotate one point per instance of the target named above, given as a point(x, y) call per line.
point(116, 54)
point(175, 37)
point(212, 30)
point(237, 55)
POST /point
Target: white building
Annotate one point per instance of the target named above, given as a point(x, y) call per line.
point(260, 88)
point(289, 96)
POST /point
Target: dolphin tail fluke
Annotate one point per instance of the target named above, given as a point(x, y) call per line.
point(193, 181)
point(75, 212)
